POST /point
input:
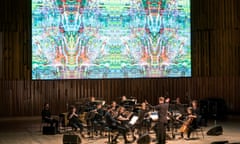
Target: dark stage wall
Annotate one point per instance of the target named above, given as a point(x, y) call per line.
point(215, 63)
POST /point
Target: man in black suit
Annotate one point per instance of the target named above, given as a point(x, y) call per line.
point(159, 128)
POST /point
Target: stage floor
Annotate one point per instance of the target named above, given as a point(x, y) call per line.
point(26, 130)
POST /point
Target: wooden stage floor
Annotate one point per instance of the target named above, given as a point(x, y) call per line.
point(26, 130)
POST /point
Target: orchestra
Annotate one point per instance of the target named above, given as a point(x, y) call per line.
point(127, 117)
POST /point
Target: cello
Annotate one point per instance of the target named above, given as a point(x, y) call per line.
point(184, 128)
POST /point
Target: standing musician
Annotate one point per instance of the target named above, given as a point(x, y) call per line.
point(189, 123)
point(160, 127)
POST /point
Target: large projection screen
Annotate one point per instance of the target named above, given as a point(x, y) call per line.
point(98, 39)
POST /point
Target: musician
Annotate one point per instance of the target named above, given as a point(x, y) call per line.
point(179, 106)
point(195, 107)
point(115, 125)
point(123, 115)
point(95, 119)
point(99, 113)
point(143, 111)
point(189, 123)
point(123, 100)
point(201, 118)
point(46, 117)
point(177, 110)
point(91, 104)
point(114, 108)
point(160, 127)
point(178, 100)
point(74, 120)
point(143, 117)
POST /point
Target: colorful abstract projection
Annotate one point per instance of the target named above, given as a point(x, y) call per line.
point(81, 39)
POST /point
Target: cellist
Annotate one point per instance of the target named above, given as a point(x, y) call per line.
point(189, 123)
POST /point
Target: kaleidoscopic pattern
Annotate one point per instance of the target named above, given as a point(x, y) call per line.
point(81, 39)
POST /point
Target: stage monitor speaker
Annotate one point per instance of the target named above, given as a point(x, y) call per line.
point(144, 139)
point(71, 139)
point(220, 142)
point(215, 131)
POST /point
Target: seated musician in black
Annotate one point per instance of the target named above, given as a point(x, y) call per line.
point(143, 118)
point(123, 101)
point(99, 114)
point(127, 103)
point(46, 117)
point(179, 106)
point(196, 111)
point(98, 117)
point(115, 125)
point(74, 120)
point(114, 106)
point(189, 124)
point(90, 104)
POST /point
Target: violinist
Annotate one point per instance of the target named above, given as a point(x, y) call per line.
point(114, 105)
point(114, 108)
point(123, 115)
point(189, 123)
point(115, 125)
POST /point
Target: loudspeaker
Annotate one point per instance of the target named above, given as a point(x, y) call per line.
point(71, 139)
point(144, 139)
point(220, 142)
point(49, 130)
point(215, 131)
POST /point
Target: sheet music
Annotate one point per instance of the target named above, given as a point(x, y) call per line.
point(133, 120)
